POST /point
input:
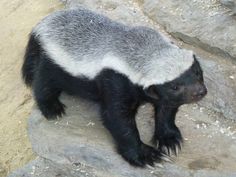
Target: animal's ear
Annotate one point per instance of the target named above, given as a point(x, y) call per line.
point(151, 91)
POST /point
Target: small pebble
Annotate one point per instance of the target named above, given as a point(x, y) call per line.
point(201, 109)
point(90, 124)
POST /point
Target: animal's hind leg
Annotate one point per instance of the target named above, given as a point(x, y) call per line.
point(47, 92)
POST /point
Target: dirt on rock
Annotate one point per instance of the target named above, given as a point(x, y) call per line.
point(17, 17)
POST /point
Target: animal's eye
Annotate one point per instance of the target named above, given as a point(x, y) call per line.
point(175, 87)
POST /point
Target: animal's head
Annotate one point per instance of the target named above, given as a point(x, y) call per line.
point(189, 87)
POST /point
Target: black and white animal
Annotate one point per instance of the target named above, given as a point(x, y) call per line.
point(88, 55)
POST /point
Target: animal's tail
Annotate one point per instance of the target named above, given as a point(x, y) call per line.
point(31, 60)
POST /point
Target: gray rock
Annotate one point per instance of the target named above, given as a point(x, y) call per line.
point(78, 138)
point(201, 23)
point(45, 168)
point(220, 80)
point(231, 4)
point(79, 143)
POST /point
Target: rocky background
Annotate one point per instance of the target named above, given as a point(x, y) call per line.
point(78, 145)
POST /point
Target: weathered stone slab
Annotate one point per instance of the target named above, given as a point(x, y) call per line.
point(45, 168)
point(230, 4)
point(221, 84)
point(201, 23)
point(79, 138)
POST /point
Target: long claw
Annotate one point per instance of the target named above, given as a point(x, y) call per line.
point(170, 151)
point(157, 144)
point(158, 165)
point(166, 150)
point(176, 151)
point(166, 158)
point(150, 167)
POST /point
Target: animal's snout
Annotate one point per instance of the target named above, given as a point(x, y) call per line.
point(200, 91)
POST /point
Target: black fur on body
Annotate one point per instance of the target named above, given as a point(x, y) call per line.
point(119, 99)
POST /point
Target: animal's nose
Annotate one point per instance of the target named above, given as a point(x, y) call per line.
point(203, 91)
point(200, 92)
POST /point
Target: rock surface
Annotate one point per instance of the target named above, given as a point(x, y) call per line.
point(220, 79)
point(45, 168)
point(79, 138)
point(231, 4)
point(201, 23)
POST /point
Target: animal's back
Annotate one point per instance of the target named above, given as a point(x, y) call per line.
point(78, 31)
point(78, 40)
point(83, 32)
point(84, 43)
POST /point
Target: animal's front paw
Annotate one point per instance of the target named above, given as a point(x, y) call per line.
point(52, 110)
point(143, 156)
point(168, 140)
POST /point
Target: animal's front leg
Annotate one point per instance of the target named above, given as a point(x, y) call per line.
point(118, 110)
point(167, 135)
point(121, 124)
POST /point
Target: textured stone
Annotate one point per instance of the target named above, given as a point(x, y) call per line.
point(231, 4)
point(201, 23)
point(79, 140)
point(45, 168)
point(221, 84)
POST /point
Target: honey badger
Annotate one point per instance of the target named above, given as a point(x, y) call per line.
point(121, 67)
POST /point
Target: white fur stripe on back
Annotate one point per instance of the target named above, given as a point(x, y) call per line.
point(156, 72)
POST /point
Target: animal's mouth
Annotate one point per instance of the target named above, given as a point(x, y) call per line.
point(199, 94)
point(198, 98)
point(194, 99)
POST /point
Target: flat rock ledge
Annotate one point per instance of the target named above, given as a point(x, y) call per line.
point(79, 145)
point(206, 24)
